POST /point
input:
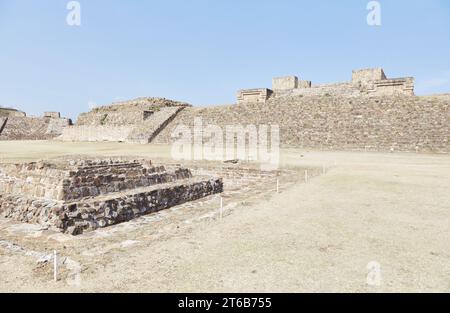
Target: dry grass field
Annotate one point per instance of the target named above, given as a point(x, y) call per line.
point(318, 236)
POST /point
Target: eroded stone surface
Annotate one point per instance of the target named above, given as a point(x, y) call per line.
point(76, 196)
point(16, 125)
point(137, 121)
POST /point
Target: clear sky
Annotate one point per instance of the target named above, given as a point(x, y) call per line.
point(203, 51)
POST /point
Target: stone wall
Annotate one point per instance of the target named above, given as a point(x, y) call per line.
point(79, 181)
point(146, 131)
point(304, 84)
point(25, 128)
point(344, 89)
point(76, 196)
point(142, 127)
point(259, 95)
point(136, 121)
point(367, 75)
point(36, 180)
point(285, 83)
point(121, 118)
point(92, 181)
point(142, 103)
point(380, 123)
point(52, 114)
point(364, 82)
point(17, 114)
point(32, 128)
point(89, 215)
point(56, 126)
point(5, 112)
point(3, 121)
point(394, 86)
point(96, 133)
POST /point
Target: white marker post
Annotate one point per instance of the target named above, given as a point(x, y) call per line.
point(55, 266)
point(278, 186)
point(306, 176)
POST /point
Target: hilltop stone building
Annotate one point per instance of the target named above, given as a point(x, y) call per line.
point(364, 82)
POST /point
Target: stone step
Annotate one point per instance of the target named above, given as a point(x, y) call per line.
point(102, 211)
point(3, 121)
point(150, 128)
point(114, 208)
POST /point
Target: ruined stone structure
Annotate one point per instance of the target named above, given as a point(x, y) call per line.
point(16, 125)
point(285, 83)
point(370, 112)
point(254, 95)
point(364, 82)
point(5, 112)
point(52, 114)
point(76, 196)
point(373, 123)
point(94, 133)
point(137, 121)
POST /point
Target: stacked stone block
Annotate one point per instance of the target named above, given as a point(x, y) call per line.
point(52, 114)
point(367, 75)
point(373, 123)
point(92, 133)
point(17, 126)
point(364, 82)
point(153, 124)
point(285, 83)
point(258, 95)
point(77, 196)
point(136, 121)
point(3, 121)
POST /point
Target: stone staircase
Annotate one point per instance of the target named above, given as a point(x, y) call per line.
point(153, 125)
point(3, 121)
point(119, 207)
point(374, 123)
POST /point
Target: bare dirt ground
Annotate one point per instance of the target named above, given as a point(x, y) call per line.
point(319, 236)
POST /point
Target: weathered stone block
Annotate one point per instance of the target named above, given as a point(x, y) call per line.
point(254, 95)
point(304, 84)
point(367, 75)
point(84, 195)
point(17, 114)
point(52, 114)
point(285, 83)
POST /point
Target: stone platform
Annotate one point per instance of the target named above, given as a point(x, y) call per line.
point(76, 196)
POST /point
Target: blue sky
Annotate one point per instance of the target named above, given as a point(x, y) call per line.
point(203, 51)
